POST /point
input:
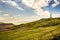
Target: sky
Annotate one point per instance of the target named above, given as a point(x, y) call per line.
point(23, 11)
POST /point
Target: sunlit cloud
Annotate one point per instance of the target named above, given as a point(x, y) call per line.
point(37, 4)
point(34, 4)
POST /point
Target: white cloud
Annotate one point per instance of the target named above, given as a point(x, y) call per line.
point(12, 3)
point(55, 4)
point(30, 3)
point(56, 15)
point(35, 4)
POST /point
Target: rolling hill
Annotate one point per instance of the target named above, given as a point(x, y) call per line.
point(44, 29)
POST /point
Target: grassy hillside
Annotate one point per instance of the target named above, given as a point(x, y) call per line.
point(44, 29)
point(40, 23)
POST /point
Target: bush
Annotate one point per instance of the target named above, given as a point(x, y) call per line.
point(56, 37)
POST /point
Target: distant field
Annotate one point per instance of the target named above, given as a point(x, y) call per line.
point(44, 29)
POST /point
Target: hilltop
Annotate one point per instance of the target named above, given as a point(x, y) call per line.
point(44, 29)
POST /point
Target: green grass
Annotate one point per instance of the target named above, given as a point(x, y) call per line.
point(46, 31)
point(36, 34)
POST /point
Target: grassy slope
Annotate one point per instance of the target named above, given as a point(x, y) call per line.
point(43, 29)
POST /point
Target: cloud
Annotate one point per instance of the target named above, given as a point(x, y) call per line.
point(55, 4)
point(37, 4)
point(12, 3)
point(5, 14)
point(7, 18)
point(30, 3)
point(1, 11)
point(1, 19)
point(56, 15)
